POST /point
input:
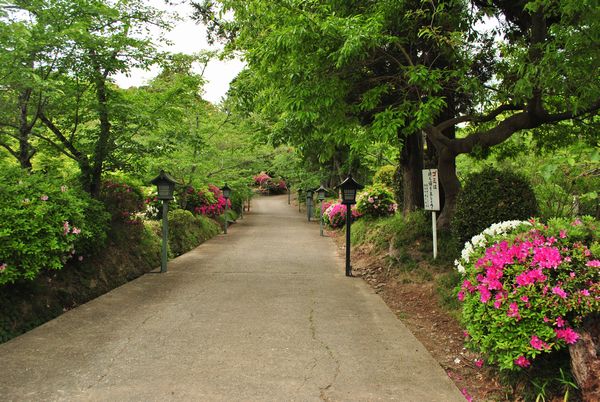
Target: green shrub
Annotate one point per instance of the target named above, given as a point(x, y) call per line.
point(489, 197)
point(45, 223)
point(385, 176)
point(187, 231)
point(376, 200)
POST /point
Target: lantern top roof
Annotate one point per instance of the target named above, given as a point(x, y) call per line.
point(163, 177)
point(350, 184)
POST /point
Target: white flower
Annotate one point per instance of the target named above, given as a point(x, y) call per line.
point(480, 241)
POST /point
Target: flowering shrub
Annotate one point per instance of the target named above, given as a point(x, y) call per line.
point(207, 202)
point(376, 200)
point(274, 186)
point(335, 215)
point(261, 178)
point(527, 286)
point(123, 201)
point(45, 223)
point(153, 207)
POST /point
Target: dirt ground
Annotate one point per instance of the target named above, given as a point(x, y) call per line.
point(417, 305)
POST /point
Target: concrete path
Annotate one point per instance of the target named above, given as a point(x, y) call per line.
point(264, 313)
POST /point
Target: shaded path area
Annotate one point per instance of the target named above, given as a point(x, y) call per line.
point(264, 313)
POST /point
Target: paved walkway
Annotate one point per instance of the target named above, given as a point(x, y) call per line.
point(264, 313)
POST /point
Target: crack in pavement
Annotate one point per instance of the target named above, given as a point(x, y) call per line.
point(313, 333)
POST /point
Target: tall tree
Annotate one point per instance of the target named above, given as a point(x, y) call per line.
point(90, 41)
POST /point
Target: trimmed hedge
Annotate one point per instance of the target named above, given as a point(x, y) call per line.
point(489, 197)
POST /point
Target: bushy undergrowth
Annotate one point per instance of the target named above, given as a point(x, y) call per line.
point(385, 176)
point(491, 196)
point(376, 200)
point(187, 231)
point(46, 223)
point(528, 286)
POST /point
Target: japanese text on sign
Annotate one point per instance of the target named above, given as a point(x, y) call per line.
point(431, 189)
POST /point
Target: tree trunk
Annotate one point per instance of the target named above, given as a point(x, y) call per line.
point(451, 185)
point(102, 145)
point(585, 359)
point(26, 151)
point(411, 164)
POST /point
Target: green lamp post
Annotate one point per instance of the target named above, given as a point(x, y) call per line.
point(166, 186)
point(349, 188)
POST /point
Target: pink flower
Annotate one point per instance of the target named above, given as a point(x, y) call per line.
point(461, 296)
point(567, 334)
point(66, 228)
point(560, 322)
point(522, 362)
point(468, 397)
point(76, 230)
point(2, 267)
point(371, 200)
point(80, 258)
point(562, 234)
point(478, 363)
point(576, 222)
point(593, 263)
point(468, 286)
point(525, 299)
point(513, 311)
point(485, 293)
point(585, 292)
point(529, 277)
point(557, 290)
point(537, 343)
point(546, 257)
point(44, 197)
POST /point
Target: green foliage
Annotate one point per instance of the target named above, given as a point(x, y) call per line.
point(385, 176)
point(376, 200)
point(46, 223)
point(187, 231)
point(491, 196)
point(527, 288)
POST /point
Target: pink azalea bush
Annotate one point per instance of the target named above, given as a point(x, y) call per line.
point(526, 289)
point(261, 178)
point(334, 214)
point(207, 202)
point(376, 200)
point(45, 223)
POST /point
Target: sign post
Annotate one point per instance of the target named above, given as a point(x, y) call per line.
point(431, 196)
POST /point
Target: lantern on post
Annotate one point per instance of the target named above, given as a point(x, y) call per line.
point(321, 191)
point(166, 186)
point(309, 202)
point(226, 194)
point(349, 188)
